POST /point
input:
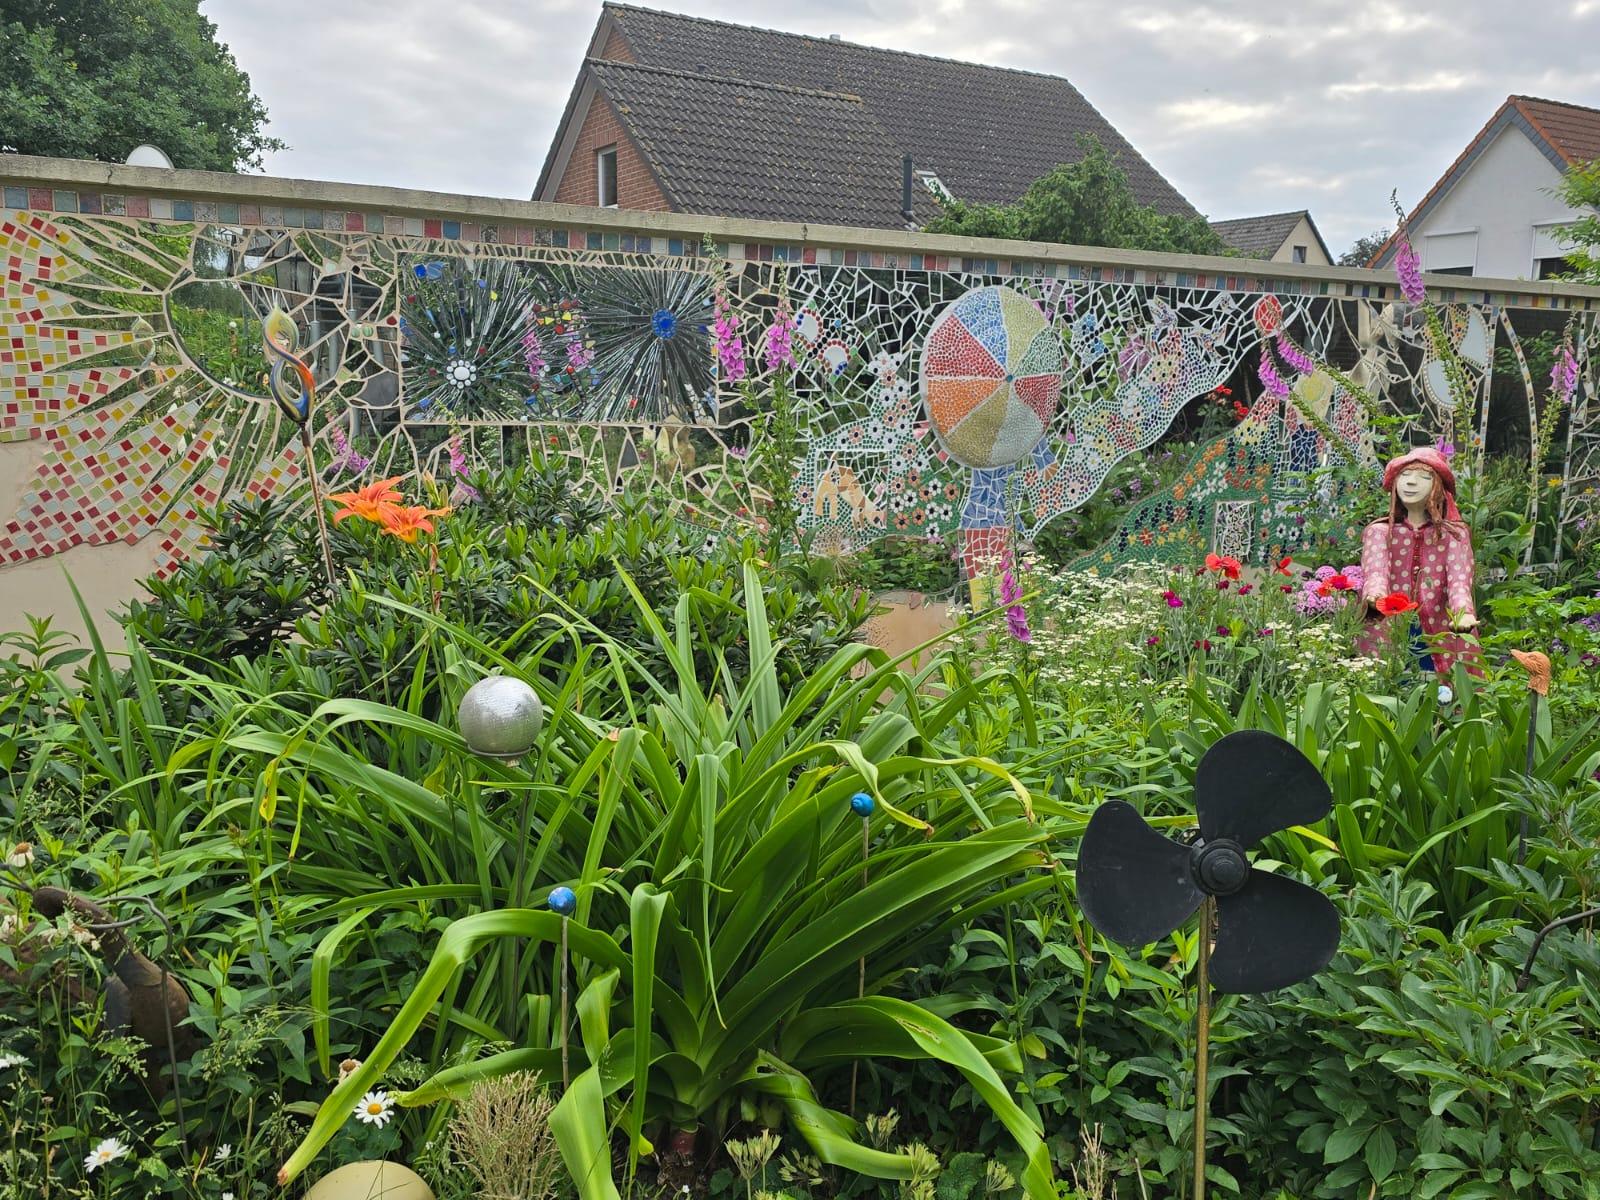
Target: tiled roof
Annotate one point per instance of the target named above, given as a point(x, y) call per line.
point(986, 132)
point(1572, 129)
point(732, 147)
point(1258, 237)
point(1567, 133)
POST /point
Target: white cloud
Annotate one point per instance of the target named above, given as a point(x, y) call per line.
point(1214, 112)
point(1437, 81)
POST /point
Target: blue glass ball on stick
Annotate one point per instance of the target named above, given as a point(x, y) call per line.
point(862, 804)
point(563, 901)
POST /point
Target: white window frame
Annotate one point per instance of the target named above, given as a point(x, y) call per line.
point(600, 157)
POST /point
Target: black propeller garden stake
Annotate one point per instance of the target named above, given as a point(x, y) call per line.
point(1136, 886)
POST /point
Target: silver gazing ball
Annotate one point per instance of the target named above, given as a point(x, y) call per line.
point(500, 717)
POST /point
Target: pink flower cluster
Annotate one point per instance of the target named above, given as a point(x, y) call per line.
point(533, 351)
point(1294, 356)
point(1329, 589)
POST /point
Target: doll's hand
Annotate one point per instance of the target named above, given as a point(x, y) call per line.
point(1464, 623)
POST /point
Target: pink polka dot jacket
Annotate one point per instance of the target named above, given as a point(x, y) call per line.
point(1433, 565)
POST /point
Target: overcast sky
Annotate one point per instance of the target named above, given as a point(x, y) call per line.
point(1246, 106)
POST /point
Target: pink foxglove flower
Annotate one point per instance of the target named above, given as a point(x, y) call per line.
point(780, 341)
point(1564, 375)
point(1270, 379)
point(730, 346)
point(1408, 269)
point(463, 492)
point(1294, 356)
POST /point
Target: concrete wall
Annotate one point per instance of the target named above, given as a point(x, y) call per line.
point(1488, 219)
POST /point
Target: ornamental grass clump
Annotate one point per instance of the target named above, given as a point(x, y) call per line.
point(500, 1135)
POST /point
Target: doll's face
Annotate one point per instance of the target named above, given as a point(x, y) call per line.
point(1414, 485)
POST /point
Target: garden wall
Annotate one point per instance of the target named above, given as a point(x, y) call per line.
point(910, 384)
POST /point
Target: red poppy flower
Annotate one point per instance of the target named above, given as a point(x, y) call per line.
point(1283, 564)
point(1337, 582)
point(1224, 391)
point(1395, 603)
point(1225, 564)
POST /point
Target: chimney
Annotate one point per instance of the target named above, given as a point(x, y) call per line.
point(833, 37)
point(906, 209)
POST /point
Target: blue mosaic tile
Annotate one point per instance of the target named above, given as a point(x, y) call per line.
point(674, 245)
point(313, 218)
point(592, 241)
point(294, 218)
point(611, 241)
point(558, 238)
point(65, 202)
point(16, 197)
point(452, 230)
point(228, 213)
point(183, 210)
point(88, 202)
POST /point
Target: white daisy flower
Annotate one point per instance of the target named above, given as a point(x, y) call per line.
point(108, 1151)
point(223, 1151)
point(21, 856)
point(227, 1196)
point(375, 1109)
point(7, 1061)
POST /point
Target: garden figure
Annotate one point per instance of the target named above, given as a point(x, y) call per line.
point(1421, 553)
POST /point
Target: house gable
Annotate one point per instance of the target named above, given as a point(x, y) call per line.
point(1484, 193)
point(985, 132)
point(573, 174)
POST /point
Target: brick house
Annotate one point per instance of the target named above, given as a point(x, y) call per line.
point(686, 114)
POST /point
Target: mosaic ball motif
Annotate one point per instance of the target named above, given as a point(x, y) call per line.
point(991, 376)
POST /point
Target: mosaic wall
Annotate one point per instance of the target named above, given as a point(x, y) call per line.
point(938, 397)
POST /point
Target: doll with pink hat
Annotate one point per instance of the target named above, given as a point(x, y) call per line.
point(1422, 551)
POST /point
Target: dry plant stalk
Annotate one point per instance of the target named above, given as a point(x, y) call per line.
point(500, 1133)
point(1092, 1172)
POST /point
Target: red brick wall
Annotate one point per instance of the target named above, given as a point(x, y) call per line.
point(616, 49)
point(636, 187)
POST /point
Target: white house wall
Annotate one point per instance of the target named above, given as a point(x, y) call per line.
point(1502, 197)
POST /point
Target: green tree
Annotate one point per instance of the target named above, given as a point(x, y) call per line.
point(1360, 254)
point(94, 78)
point(1086, 203)
point(1580, 188)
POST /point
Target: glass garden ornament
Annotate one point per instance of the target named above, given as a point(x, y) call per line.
point(500, 717)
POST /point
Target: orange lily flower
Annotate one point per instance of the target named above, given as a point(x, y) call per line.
point(369, 503)
point(406, 523)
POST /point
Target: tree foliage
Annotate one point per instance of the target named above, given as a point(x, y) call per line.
point(1580, 188)
point(1086, 203)
point(1364, 247)
point(94, 78)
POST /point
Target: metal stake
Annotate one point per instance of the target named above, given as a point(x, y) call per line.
point(1202, 1044)
point(861, 963)
point(566, 1074)
point(1527, 770)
